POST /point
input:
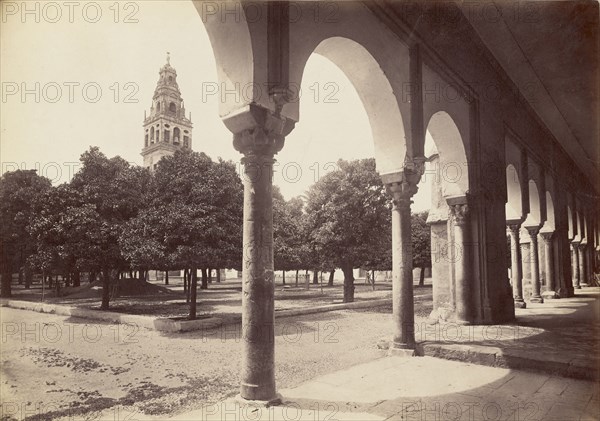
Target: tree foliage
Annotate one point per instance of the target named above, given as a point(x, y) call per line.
point(348, 211)
point(21, 192)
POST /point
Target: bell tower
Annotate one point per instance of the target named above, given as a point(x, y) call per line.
point(166, 129)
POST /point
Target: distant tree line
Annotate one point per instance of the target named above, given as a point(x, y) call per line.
point(114, 218)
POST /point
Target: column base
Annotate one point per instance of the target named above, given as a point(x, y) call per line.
point(585, 284)
point(277, 400)
point(577, 287)
point(461, 322)
point(520, 303)
point(538, 300)
point(400, 352)
point(550, 295)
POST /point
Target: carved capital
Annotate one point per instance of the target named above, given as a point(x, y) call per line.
point(258, 130)
point(459, 213)
point(547, 236)
point(258, 141)
point(458, 209)
point(533, 233)
point(514, 227)
point(401, 186)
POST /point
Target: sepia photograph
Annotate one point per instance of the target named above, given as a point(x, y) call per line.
point(300, 210)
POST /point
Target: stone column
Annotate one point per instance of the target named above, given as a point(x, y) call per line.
point(459, 212)
point(550, 292)
point(583, 269)
point(259, 143)
point(576, 272)
point(516, 264)
point(402, 186)
point(536, 297)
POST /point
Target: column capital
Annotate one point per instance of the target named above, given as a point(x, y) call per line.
point(533, 231)
point(258, 130)
point(402, 186)
point(459, 208)
point(547, 235)
point(514, 226)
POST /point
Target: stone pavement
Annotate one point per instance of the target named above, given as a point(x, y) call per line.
point(422, 388)
point(558, 339)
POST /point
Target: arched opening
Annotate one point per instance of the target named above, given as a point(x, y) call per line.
point(376, 95)
point(172, 108)
point(157, 106)
point(176, 135)
point(514, 203)
point(549, 225)
point(346, 101)
point(570, 222)
point(534, 218)
point(152, 134)
point(445, 178)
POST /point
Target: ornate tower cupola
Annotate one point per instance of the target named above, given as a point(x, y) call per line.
point(167, 128)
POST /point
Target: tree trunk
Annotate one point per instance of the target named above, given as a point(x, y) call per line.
point(193, 293)
point(422, 277)
point(142, 275)
point(218, 275)
point(373, 278)
point(210, 276)
point(91, 277)
point(28, 277)
point(57, 286)
point(348, 283)
point(283, 272)
point(204, 279)
point(330, 282)
point(315, 276)
point(105, 289)
point(50, 281)
point(189, 282)
point(296, 277)
point(185, 280)
point(21, 276)
point(5, 288)
point(166, 277)
point(76, 278)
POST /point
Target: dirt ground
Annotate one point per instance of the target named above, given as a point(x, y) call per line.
point(56, 367)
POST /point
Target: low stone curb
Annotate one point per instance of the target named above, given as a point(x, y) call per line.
point(513, 359)
point(170, 325)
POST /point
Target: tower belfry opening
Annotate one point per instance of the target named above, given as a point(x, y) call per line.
point(166, 128)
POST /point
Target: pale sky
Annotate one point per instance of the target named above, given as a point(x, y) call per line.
point(64, 54)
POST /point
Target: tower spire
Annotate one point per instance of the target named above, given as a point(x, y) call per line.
point(166, 129)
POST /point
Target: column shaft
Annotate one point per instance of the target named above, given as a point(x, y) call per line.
point(516, 265)
point(550, 291)
point(258, 347)
point(536, 297)
point(461, 259)
point(402, 287)
point(576, 272)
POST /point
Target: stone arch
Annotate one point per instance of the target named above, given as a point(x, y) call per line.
point(514, 202)
point(452, 171)
point(550, 224)
point(237, 62)
point(571, 232)
point(377, 96)
point(535, 209)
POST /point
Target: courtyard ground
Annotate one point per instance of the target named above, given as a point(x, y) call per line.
point(56, 367)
